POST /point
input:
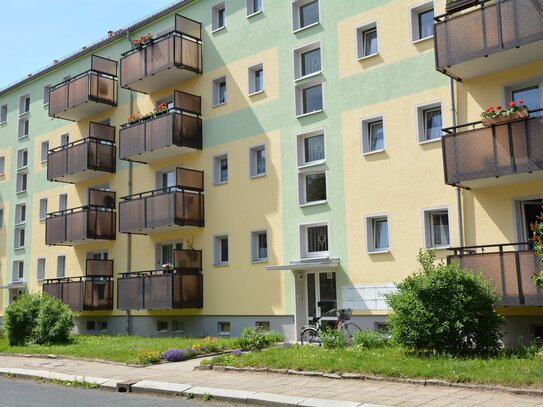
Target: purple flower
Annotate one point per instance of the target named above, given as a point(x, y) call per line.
point(286, 344)
point(174, 355)
point(236, 352)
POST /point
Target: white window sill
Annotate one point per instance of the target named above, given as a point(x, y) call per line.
point(316, 256)
point(380, 251)
point(430, 141)
point(24, 114)
point(446, 247)
point(22, 168)
point(311, 75)
point(382, 150)
point(2, 123)
point(296, 31)
point(2, 174)
point(20, 192)
point(258, 92)
point(254, 14)
point(363, 58)
point(45, 104)
point(299, 116)
point(20, 223)
point(43, 161)
point(218, 29)
point(220, 183)
point(311, 165)
point(259, 261)
point(257, 176)
point(422, 39)
point(218, 104)
point(303, 205)
point(19, 248)
point(42, 219)
point(220, 264)
point(22, 137)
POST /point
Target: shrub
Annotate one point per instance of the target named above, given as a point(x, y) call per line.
point(174, 355)
point(333, 339)
point(256, 339)
point(371, 339)
point(38, 318)
point(147, 357)
point(445, 309)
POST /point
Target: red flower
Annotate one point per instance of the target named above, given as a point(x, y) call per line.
point(490, 109)
point(499, 107)
point(512, 104)
point(520, 101)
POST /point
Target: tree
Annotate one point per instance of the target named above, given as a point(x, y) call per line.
point(445, 309)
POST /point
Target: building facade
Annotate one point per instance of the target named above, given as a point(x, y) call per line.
point(224, 164)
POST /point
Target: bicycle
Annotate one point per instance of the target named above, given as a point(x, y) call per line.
point(311, 335)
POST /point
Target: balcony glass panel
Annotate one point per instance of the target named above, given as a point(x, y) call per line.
point(82, 293)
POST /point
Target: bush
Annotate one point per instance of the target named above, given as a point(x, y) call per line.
point(38, 318)
point(445, 309)
point(257, 339)
point(371, 339)
point(333, 339)
point(147, 357)
point(174, 355)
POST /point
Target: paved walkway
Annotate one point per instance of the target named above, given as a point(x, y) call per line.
point(276, 387)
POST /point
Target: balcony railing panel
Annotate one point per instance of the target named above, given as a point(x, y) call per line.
point(189, 27)
point(95, 267)
point(132, 215)
point(102, 131)
point(81, 293)
point(188, 259)
point(192, 180)
point(188, 291)
point(130, 293)
point(493, 151)
point(75, 226)
point(509, 271)
point(189, 209)
point(102, 198)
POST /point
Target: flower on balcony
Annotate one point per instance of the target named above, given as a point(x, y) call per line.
point(161, 107)
point(133, 118)
point(167, 266)
point(509, 110)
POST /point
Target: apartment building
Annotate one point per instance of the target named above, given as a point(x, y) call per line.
point(223, 164)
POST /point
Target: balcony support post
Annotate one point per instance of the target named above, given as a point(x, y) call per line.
point(511, 148)
point(499, 24)
point(519, 278)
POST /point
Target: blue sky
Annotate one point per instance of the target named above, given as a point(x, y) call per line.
point(35, 32)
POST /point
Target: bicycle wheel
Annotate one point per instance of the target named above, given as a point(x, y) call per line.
point(349, 329)
point(310, 336)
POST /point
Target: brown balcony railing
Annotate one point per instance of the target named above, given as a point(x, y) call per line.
point(160, 290)
point(476, 157)
point(99, 268)
point(509, 267)
point(147, 68)
point(188, 260)
point(163, 135)
point(485, 31)
point(84, 159)
point(86, 94)
point(82, 293)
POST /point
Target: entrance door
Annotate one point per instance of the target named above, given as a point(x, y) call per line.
point(321, 296)
point(528, 212)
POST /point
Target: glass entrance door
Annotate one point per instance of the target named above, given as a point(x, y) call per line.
point(321, 296)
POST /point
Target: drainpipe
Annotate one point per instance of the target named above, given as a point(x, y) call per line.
point(458, 189)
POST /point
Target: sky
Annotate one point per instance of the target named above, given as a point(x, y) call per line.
point(36, 32)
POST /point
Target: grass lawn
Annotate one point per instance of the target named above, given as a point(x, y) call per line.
point(113, 348)
point(508, 369)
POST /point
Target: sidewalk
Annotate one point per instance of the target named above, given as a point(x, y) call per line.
point(261, 388)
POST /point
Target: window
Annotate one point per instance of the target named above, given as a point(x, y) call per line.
point(221, 250)
point(436, 228)
point(313, 187)
point(19, 239)
point(22, 159)
point(43, 209)
point(220, 169)
point(102, 326)
point(1, 218)
point(429, 122)
point(2, 165)
point(61, 266)
point(165, 253)
point(64, 139)
point(422, 21)
point(366, 40)
point(307, 60)
point(257, 161)
point(263, 325)
point(373, 135)
point(314, 240)
point(219, 91)
point(311, 148)
point(18, 270)
point(253, 7)
point(377, 234)
point(309, 99)
point(530, 94)
point(166, 180)
point(20, 214)
point(21, 182)
point(46, 90)
point(259, 245)
point(162, 326)
point(91, 326)
point(62, 202)
point(3, 114)
point(256, 79)
point(224, 327)
point(40, 273)
point(24, 104)
point(218, 17)
point(305, 13)
point(178, 326)
point(44, 151)
point(23, 128)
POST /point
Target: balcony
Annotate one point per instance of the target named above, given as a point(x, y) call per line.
point(84, 159)
point(498, 154)
point(82, 293)
point(508, 269)
point(86, 94)
point(166, 60)
point(489, 38)
point(95, 221)
point(159, 289)
point(99, 268)
point(161, 210)
point(175, 131)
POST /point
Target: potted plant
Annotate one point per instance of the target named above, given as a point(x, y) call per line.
point(499, 114)
point(133, 118)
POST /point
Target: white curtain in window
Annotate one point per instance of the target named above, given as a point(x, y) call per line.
point(380, 228)
point(440, 229)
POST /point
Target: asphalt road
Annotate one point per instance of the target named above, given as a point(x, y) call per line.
point(27, 393)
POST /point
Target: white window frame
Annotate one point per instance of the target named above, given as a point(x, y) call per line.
point(421, 121)
point(62, 197)
point(302, 176)
point(215, 91)
point(414, 20)
point(297, 58)
point(217, 169)
point(427, 226)
point(19, 219)
point(303, 230)
point(40, 268)
point(61, 266)
point(22, 104)
point(42, 214)
point(299, 95)
point(22, 156)
point(44, 151)
point(296, 16)
point(4, 113)
point(18, 271)
point(215, 10)
point(360, 33)
point(46, 90)
point(19, 238)
point(65, 139)
point(365, 139)
point(217, 250)
point(24, 129)
point(255, 249)
point(302, 164)
point(19, 182)
point(251, 79)
point(509, 88)
point(251, 11)
point(2, 165)
point(370, 233)
point(221, 325)
point(253, 162)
